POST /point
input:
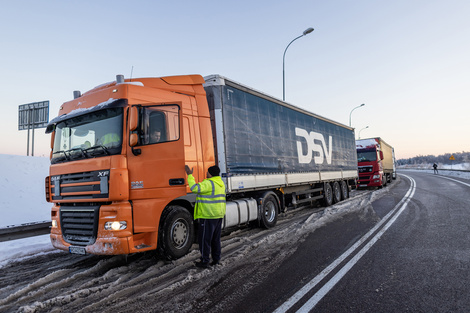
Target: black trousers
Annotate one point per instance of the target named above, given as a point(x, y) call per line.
point(209, 239)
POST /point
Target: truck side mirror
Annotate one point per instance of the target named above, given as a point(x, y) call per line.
point(133, 118)
point(381, 155)
point(133, 139)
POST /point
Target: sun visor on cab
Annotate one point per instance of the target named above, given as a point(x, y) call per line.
point(111, 103)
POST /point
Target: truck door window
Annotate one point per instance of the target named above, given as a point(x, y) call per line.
point(160, 124)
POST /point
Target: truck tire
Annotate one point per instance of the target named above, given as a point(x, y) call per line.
point(344, 190)
point(176, 232)
point(327, 194)
point(268, 210)
point(384, 182)
point(336, 192)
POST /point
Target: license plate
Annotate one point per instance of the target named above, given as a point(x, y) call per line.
point(362, 185)
point(77, 250)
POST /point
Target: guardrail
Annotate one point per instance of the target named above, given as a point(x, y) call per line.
point(24, 231)
point(430, 169)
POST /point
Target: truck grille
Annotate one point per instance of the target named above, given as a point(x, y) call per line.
point(85, 185)
point(365, 169)
point(79, 224)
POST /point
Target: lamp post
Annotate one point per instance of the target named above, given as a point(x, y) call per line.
point(306, 32)
point(362, 130)
point(352, 111)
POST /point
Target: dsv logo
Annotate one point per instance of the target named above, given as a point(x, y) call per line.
point(321, 151)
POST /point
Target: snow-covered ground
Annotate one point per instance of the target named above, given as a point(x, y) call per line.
point(22, 191)
point(443, 172)
point(23, 201)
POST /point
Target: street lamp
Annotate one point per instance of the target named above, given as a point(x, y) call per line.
point(306, 32)
point(352, 111)
point(362, 130)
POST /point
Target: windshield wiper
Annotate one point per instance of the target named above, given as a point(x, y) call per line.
point(103, 148)
point(78, 149)
point(64, 155)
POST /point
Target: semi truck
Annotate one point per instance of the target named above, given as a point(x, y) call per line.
point(376, 162)
point(117, 178)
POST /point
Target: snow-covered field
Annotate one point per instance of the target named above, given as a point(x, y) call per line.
point(23, 201)
point(443, 172)
point(22, 191)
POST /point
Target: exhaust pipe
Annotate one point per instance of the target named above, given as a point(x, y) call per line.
point(119, 79)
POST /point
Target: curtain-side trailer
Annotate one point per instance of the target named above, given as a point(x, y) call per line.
point(127, 192)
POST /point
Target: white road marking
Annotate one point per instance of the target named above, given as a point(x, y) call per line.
point(458, 181)
point(398, 209)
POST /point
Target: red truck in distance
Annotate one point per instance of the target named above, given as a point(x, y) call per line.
point(376, 162)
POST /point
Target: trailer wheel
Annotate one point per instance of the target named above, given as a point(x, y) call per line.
point(336, 192)
point(269, 209)
point(176, 233)
point(344, 190)
point(327, 194)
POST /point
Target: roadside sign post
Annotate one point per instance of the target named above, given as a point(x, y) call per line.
point(33, 115)
point(452, 158)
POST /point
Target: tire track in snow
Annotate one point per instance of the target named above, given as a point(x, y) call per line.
point(149, 283)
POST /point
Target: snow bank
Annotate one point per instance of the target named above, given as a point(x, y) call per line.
point(464, 175)
point(25, 248)
point(22, 191)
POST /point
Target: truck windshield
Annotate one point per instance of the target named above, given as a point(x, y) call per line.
point(366, 156)
point(87, 136)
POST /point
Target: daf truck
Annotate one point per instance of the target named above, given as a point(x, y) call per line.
point(118, 153)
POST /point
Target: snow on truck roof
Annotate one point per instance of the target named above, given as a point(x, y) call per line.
point(366, 143)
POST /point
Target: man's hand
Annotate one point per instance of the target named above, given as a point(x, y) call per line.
point(188, 170)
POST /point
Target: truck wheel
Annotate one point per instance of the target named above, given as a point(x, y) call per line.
point(384, 182)
point(327, 194)
point(176, 233)
point(336, 192)
point(269, 209)
point(344, 190)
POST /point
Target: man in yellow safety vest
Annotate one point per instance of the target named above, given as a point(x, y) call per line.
point(209, 210)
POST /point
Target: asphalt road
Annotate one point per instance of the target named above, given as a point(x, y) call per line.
point(402, 248)
point(418, 260)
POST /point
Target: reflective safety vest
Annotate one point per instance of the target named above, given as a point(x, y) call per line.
point(210, 199)
point(110, 138)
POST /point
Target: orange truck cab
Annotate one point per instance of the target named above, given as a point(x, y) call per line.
point(117, 177)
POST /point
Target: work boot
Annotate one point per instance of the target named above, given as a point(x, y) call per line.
point(202, 264)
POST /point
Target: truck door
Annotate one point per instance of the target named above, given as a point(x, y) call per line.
point(156, 162)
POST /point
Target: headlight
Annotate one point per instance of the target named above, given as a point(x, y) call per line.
point(54, 223)
point(376, 176)
point(117, 225)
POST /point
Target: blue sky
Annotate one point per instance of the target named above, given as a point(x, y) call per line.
point(408, 61)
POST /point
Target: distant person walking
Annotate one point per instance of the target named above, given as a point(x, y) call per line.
point(435, 168)
point(210, 211)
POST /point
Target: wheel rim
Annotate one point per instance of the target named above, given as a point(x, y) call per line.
point(344, 189)
point(179, 233)
point(337, 190)
point(329, 194)
point(270, 211)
